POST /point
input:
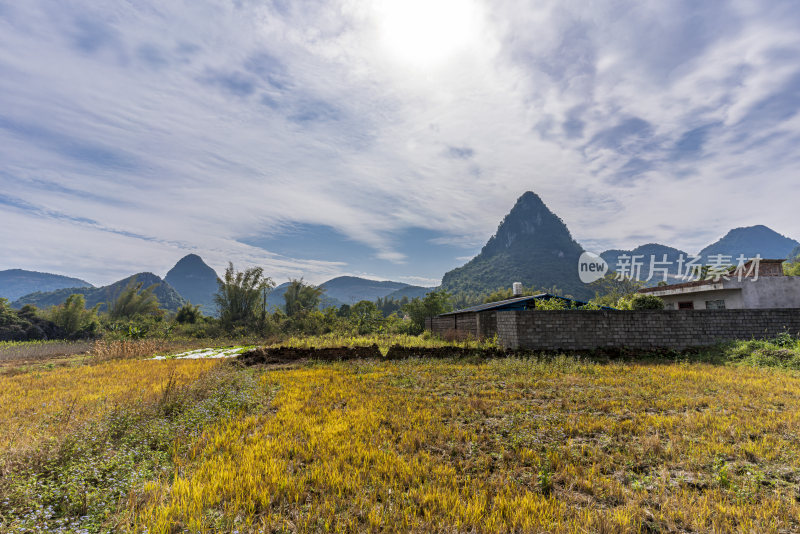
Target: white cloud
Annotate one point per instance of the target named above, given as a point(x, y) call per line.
point(192, 125)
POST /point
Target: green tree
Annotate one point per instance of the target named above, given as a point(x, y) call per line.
point(133, 301)
point(609, 291)
point(505, 293)
point(240, 296)
point(188, 314)
point(73, 317)
point(433, 304)
point(792, 269)
point(366, 317)
point(501, 293)
point(641, 301)
point(553, 304)
point(301, 298)
point(792, 266)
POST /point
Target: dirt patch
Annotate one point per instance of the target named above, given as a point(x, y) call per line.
point(397, 352)
point(291, 354)
point(278, 355)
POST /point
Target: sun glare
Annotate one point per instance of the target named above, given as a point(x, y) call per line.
point(427, 32)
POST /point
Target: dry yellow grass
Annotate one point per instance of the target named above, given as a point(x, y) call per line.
point(383, 341)
point(142, 348)
point(44, 404)
point(506, 445)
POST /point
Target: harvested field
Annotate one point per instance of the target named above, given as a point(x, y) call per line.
point(506, 445)
point(352, 440)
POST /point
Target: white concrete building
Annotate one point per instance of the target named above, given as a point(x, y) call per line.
point(771, 289)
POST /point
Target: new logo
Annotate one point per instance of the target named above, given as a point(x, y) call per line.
point(591, 267)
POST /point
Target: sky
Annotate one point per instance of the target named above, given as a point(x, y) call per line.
point(385, 138)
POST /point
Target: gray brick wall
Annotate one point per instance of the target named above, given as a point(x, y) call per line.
point(440, 325)
point(473, 324)
point(679, 329)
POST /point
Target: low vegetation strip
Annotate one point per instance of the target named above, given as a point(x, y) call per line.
point(524, 445)
point(273, 355)
point(383, 341)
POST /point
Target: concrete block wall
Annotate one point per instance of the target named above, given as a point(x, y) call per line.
point(440, 325)
point(477, 325)
point(487, 324)
point(679, 329)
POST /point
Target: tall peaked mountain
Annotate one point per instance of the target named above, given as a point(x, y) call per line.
point(195, 281)
point(532, 245)
point(750, 241)
point(168, 298)
point(15, 283)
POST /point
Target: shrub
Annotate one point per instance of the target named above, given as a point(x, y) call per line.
point(241, 295)
point(301, 297)
point(640, 301)
point(434, 303)
point(73, 317)
point(366, 317)
point(134, 301)
point(188, 314)
point(24, 325)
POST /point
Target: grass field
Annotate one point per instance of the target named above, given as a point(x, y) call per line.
point(519, 444)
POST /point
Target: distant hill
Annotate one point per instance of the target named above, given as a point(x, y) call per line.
point(532, 245)
point(411, 292)
point(168, 298)
point(750, 241)
point(14, 283)
point(648, 251)
point(275, 299)
point(195, 281)
point(351, 289)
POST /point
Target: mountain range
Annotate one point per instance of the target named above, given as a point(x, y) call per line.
point(750, 241)
point(352, 289)
point(649, 251)
point(168, 298)
point(15, 283)
point(190, 280)
point(532, 245)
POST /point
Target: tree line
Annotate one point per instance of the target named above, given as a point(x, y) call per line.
point(241, 306)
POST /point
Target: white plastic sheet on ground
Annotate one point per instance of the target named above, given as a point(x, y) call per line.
point(205, 353)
